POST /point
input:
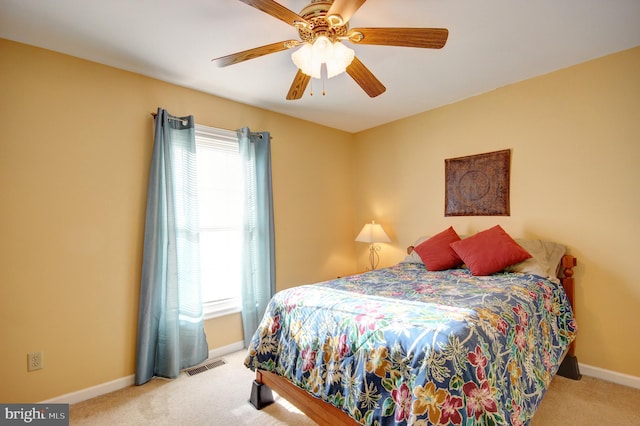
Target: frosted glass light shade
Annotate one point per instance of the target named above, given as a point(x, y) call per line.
point(340, 60)
point(310, 57)
point(303, 58)
point(322, 49)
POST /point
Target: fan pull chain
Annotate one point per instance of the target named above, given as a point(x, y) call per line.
point(323, 76)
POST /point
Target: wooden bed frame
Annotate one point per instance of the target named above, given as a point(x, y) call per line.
point(324, 413)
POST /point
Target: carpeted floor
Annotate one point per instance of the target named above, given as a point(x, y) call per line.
point(219, 397)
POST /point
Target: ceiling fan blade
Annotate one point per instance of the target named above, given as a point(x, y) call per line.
point(365, 78)
point(298, 86)
point(344, 8)
point(256, 52)
point(432, 38)
point(276, 10)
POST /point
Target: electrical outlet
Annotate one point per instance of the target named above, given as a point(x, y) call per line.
point(35, 361)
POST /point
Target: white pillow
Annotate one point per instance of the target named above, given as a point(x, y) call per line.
point(545, 260)
point(413, 257)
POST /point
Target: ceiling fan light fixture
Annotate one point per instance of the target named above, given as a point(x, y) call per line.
point(322, 25)
point(310, 57)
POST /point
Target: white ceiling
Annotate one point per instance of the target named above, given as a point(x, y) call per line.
point(492, 43)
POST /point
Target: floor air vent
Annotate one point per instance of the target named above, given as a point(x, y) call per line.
point(209, 365)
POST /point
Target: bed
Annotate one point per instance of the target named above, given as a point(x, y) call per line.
point(423, 342)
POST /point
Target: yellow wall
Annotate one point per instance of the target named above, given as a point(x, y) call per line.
point(75, 149)
point(575, 176)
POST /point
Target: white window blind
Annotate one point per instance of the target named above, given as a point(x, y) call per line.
point(220, 206)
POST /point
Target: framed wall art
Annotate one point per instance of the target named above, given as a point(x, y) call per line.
point(478, 185)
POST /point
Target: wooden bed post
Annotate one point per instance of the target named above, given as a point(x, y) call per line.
point(569, 367)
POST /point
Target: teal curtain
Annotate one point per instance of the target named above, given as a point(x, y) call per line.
point(258, 246)
point(170, 324)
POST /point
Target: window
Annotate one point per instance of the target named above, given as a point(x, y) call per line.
point(221, 203)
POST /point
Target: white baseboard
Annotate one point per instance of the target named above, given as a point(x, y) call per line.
point(610, 376)
point(93, 391)
point(225, 350)
point(114, 385)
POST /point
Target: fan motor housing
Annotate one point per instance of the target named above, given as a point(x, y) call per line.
point(315, 13)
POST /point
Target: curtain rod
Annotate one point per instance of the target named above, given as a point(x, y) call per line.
point(184, 122)
point(154, 115)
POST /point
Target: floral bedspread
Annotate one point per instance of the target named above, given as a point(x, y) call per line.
point(402, 345)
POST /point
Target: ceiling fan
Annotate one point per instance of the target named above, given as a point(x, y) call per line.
point(322, 26)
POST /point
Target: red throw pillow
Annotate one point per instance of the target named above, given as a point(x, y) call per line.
point(436, 252)
point(489, 251)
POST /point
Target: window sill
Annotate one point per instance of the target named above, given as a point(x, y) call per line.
point(221, 308)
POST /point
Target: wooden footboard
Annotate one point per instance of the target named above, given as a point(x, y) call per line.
point(316, 409)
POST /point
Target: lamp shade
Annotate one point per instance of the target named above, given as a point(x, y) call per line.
point(372, 233)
